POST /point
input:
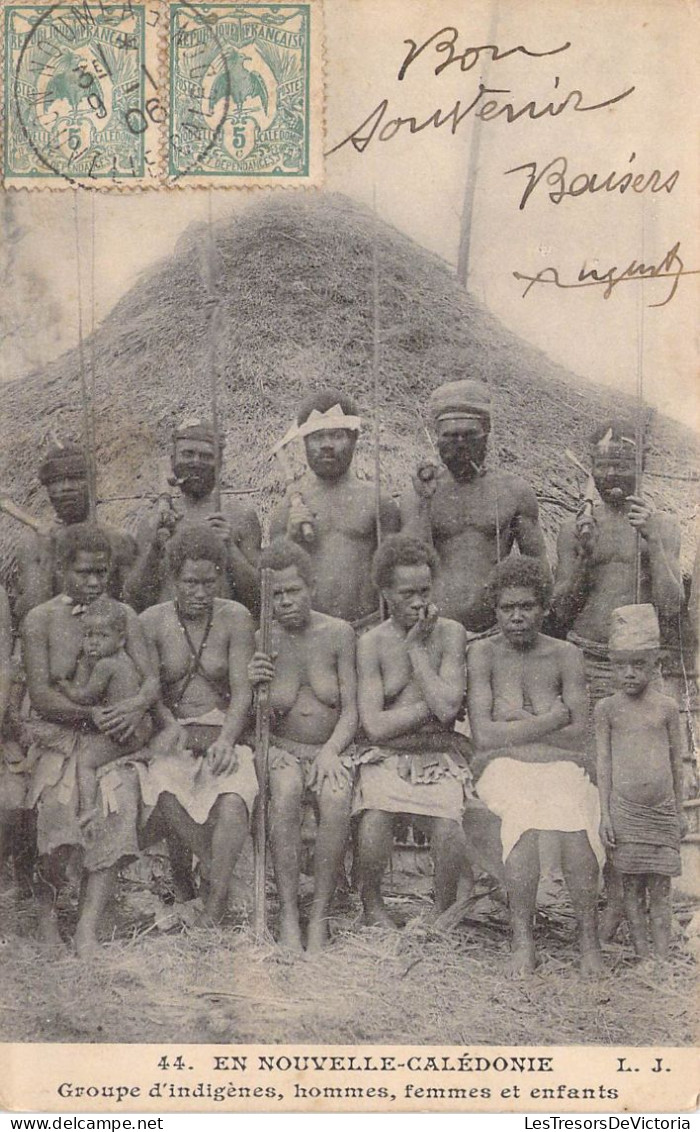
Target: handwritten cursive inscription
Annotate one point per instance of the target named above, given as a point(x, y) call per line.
point(555, 177)
point(444, 42)
point(378, 124)
point(670, 267)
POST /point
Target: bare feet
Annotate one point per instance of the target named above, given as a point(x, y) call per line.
point(376, 916)
point(592, 963)
point(49, 935)
point(290, 934)
point(86, 943)
point(522, 961)
point(318, 935)
point(610, 920)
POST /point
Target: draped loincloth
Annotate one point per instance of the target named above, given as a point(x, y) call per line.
point(187, 774)
point(429, 783)
point(52, 754)
point(647, 838)
point(555, 796)
point(285, 753)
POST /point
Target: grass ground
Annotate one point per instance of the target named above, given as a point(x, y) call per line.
point(371, 986)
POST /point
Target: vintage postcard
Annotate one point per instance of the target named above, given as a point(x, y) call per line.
point(349, 466)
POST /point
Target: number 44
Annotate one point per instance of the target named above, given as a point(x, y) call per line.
point(177, 1062)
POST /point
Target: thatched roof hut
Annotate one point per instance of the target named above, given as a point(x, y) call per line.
point(294, 278)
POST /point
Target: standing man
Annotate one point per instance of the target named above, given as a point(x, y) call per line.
point(194, 462)
point(596, 573)
point(596, 568)
point(528, 711)
point(314, 710)
point(471, 514)
point(333, 516)
point(411, 672)
point(63, 472)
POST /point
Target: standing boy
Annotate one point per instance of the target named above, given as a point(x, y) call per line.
point(639, 778)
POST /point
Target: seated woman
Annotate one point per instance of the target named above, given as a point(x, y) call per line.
point(60, 734)
point(204, 783)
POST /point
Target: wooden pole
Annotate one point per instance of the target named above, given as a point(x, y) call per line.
point(639, 426)
point(465, 233)
point(262, 751)
point(375, 388)
point(87, 414)
point(214, 319)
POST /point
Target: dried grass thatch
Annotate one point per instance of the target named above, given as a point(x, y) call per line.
point(294, 276)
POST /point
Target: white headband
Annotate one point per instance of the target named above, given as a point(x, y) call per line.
point(333, 418)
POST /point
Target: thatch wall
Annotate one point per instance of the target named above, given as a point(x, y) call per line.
point(294, 276)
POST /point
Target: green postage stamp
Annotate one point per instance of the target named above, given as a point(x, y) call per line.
point(159, 93)
point(82, 94)
point(244, 92)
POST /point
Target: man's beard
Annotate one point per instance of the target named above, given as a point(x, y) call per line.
point(464, 463)
point(615, 490)
point(197, 482)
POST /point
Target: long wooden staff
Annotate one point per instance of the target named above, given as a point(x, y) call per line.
point(88, 413)
point(262, 751)
point(214, 319)
point(375, 389)
point(639, 430)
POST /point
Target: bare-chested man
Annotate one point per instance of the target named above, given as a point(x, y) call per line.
point(597, 553)
point(205, 784)
point(59, 731)
point(411, 672)
point(63, 472)
point(333, 515)
point(528, 713)
point(596, 572)
point(193, 459)
point(473, 515)
point(311, 673)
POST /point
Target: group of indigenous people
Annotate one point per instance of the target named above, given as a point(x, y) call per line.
point(407, 676)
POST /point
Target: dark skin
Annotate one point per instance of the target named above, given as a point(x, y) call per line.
point(226, 688)
point(640, 758)
point(472, 517)
point(237, 526)
point(527, 701)
point(340, 510)
point(53, 640)
point(597, 561)
point(411, 676)
point(312, 681)
point(38, 573)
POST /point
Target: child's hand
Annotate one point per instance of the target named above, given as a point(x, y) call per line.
point(682, 822)
point(607, 833)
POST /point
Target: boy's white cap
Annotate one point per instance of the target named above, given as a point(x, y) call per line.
point(634, 627)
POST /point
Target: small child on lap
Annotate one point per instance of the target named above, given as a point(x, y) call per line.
point(106, 675)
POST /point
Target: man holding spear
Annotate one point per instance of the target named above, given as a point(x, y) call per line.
point(195, 459)
point(619, 552)
point(64, 473)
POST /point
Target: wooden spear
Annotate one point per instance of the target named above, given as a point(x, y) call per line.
point(262, 750)
point(214, 319)
point(88, 414)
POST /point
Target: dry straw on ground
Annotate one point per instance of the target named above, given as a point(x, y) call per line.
point(408, 987)
point(294, 278)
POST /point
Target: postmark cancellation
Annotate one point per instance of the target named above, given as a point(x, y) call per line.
point(161, 93)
